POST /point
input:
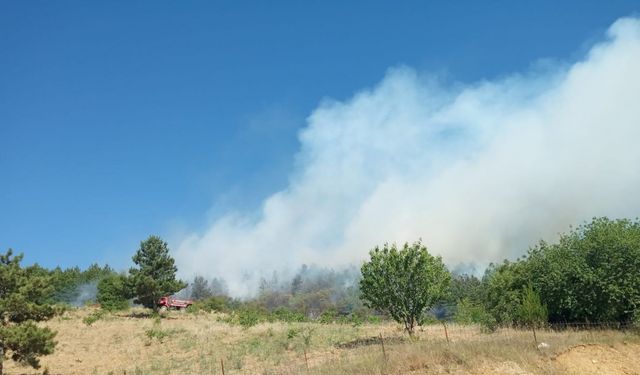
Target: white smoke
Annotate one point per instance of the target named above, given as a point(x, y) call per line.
point(480, 172)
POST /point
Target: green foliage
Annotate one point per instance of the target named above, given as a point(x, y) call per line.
point(589, 275)
point(286, 315)
point(250, 317)
point(468, 312)
point(219, 304)
point(465, 287)
point(328, 316)
point(155, 275)
point(27, 341)
point(112, 293)
point(531, 312)
point(23, 301)
point(200, 288)
point(94, 317)
point(405, 283)
point(158, 333)
point(502, 286)
point(68, 284)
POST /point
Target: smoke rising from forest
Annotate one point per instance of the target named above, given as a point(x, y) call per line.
point(479, 171)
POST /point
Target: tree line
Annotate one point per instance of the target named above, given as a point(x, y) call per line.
point(591, 274)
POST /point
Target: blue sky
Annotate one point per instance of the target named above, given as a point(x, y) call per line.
point(124, 119)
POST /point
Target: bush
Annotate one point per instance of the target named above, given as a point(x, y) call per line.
point(93, 317)
point(283, 314)
point(112, 295)
point(218, 303)
point(328, 316)
point(250, 317)
point(468, 312)
point(489, 324)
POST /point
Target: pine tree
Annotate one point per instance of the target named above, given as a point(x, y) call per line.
point(200, 288)
point(23, 296)
point(155, 275)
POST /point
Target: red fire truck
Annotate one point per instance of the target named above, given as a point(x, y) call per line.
point(169, 302)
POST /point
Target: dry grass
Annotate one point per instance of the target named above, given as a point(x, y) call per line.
point(195, 344)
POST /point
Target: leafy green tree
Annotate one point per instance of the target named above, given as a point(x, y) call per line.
point(465, 287)
point(405, 282)
point(23, 295)
point(112, 293)
point(155, 275)
point(591, 274)
point(502, 286)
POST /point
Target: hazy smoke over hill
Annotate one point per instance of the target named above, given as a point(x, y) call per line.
point(479, 172)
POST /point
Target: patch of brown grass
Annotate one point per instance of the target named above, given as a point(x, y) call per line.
point(134, 343)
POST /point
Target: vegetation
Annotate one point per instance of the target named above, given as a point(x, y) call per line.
point(23, 294)
point(405, 283)
point(200, 288)
point(183, 343)
point(112, 292)
point(589, 275)
point(155, 275)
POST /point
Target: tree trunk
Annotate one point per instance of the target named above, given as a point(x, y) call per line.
point(535, 339)
point(1, 357)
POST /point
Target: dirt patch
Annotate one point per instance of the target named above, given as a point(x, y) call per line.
point(619, 359)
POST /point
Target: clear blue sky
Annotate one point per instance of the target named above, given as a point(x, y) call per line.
point(122, 119)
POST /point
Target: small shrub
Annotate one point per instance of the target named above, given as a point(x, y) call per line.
point(211, 304)
point(328, 316)
point(93, 317)
point(248, 318)
point(489, 324)
point(374, 319)
point(292, 333)
point(156, 333)
point(283, 314)
point(470, 313)
point(112, 295)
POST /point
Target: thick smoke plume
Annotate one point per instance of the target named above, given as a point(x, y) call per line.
point(480, 172)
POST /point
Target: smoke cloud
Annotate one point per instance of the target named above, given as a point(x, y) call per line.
point(479, 171)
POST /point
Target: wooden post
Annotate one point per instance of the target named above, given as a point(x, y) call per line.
point(222, 365)
point(1, 357)
point(306, 361)
point(384, 352)
point(446, 333)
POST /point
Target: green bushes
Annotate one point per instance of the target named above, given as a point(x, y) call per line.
point(589, 275)
point(284, 314)
point(211, 304)
point(94, 317)
point(468, 312)
point(112, 293)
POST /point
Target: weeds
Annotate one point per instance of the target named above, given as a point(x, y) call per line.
point(94, 317)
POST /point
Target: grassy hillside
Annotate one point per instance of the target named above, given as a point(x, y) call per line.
point(182, 343)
